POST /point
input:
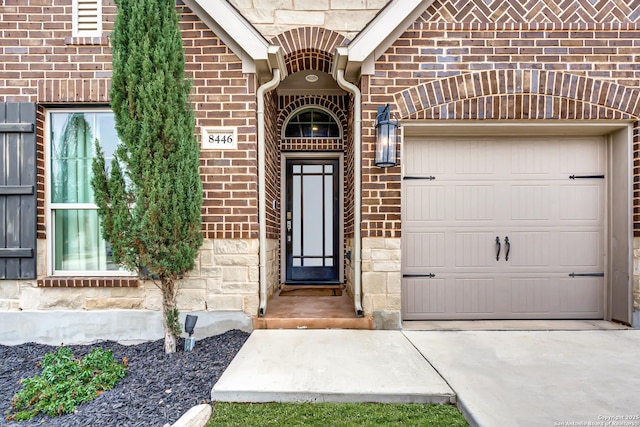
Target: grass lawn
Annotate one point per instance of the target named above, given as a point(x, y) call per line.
point(332, 414)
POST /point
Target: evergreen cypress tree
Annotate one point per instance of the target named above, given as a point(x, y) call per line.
point(150, 201)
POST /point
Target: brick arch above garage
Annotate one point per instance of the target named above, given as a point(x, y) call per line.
point(519, 94)
point(309, 48)
point(526, 95)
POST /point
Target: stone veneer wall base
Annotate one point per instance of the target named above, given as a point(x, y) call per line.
point(67, 327)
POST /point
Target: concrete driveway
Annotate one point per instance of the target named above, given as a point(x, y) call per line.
point(539, 378)
point(497, 378)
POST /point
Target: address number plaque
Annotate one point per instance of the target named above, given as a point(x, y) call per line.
point(219, 138)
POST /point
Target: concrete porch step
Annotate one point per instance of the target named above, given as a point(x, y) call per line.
point(310, 291)
point(311, 312)
point(312, 323)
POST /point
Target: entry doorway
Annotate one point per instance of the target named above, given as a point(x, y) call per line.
point(312, 218)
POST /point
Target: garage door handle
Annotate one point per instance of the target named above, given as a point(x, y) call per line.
point(499, 247)
point(508, 244)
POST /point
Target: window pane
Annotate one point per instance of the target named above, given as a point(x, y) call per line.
point(328, 215)
point(312, 169)
point(312, 123)
point(77, 242)
point(72, 139)
point(78, 245)
point(297, 215)
point(312, 216)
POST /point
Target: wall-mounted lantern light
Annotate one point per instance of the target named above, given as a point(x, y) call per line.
point(387, 138)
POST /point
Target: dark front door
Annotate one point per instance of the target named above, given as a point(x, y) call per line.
point(312, 221)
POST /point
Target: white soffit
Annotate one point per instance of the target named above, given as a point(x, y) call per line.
point(380, 33)
point(236, 32)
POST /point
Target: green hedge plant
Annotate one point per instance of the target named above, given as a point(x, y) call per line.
point(65, 383)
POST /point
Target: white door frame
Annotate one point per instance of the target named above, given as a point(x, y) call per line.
point(305, 155)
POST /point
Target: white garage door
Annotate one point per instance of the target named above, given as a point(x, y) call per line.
point(503, 228)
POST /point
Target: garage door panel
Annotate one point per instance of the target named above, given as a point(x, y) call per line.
point(475, 157)
point(531, 202)
point(581, 296)
point(543, 204)
point(428, 203)
point(533, 295)
point(582, 156)
point(483, 188)
point(581, 203)
point(581, 249)
point(532, 249)
point(434, 158)
point(424, 296)
point(424, 250)
point(474, 249)
point(475, 295)
point(475, 202)
point(531, 157)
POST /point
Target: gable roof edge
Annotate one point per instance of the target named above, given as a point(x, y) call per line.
point(239, 35)
point(380, 33)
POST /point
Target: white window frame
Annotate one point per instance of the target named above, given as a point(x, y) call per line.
point(76, 31)
point(295, 112)
point(50, 206)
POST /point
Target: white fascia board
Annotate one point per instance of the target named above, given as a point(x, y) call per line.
point(340, 60)
point(234, 30)
point(275, 59)
point(381, 32)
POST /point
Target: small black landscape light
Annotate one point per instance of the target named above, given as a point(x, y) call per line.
point(387, 138)
point(189, 325)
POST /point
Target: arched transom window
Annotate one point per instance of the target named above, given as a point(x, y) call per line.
point(312, 123)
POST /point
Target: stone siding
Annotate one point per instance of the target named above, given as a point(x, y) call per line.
point(381, 275)
point(347, 17)
point(225, 279)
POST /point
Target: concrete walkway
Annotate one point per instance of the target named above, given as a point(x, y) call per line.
point(330, 365)
point(497, 378)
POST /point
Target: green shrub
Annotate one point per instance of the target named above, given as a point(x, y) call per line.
point(65, 383)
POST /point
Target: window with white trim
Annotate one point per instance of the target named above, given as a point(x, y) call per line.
point(312, 123)
point(87, 18)
point(75, 242)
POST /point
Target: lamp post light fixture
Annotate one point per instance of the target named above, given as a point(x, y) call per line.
point(387, 138)
point(189, 325)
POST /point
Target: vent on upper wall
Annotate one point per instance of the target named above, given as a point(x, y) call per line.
point(87, 18)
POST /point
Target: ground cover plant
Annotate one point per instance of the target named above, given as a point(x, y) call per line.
point(335, 414)
point(157, 389)
point(65, 383)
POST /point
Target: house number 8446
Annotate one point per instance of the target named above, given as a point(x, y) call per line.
point(219, 138)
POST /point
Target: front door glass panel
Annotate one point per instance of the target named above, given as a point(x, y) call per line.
point(312, 221)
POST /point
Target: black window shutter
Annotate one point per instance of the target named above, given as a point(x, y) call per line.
point(18, 195)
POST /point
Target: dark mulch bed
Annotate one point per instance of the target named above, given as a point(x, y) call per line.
point(157, 390)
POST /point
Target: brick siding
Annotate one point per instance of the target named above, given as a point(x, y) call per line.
point(459, 60)
point(95, 282)
point(502, 60)
point(41, 62)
